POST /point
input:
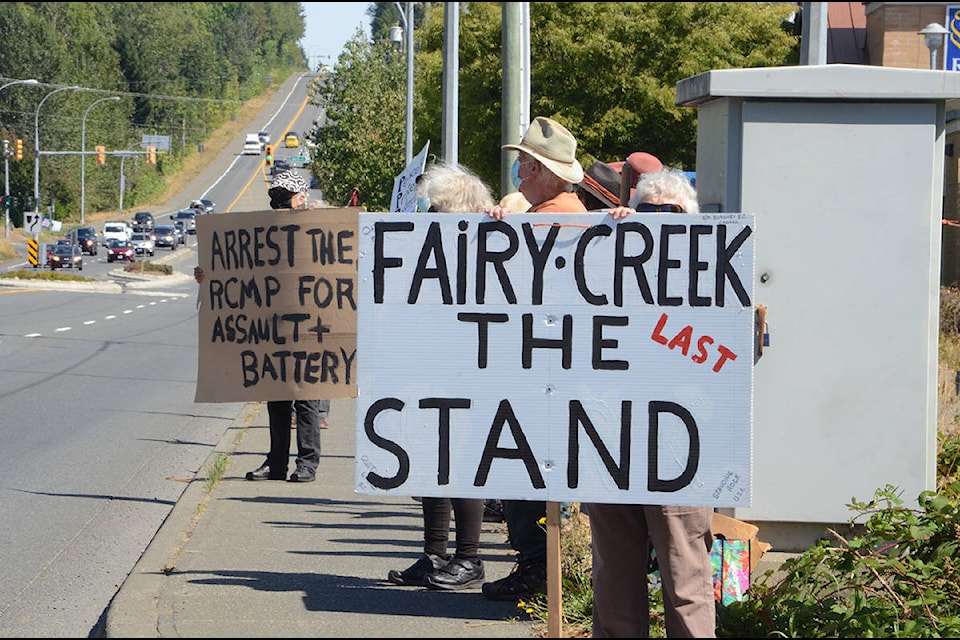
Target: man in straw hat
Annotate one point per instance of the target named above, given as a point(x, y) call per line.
point(549, 175)
point(549, 170)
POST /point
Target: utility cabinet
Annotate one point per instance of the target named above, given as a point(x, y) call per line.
point(842, 166)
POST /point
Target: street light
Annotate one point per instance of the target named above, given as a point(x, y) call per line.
point(6, 164)
point(83, 156)
point(933, 35)
point(408, 26)
point(36, 147)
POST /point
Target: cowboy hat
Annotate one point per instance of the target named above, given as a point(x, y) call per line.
point(554, 146)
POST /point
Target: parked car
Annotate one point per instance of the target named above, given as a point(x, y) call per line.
point(120, 251)
point(166, 236)
point(204, 204)
point(118, 230)
point(143, 243)
point(87, 239)
point(143, 221)
point(189, 219)
point(252, 145)
point(291, 140)
point(67, 256)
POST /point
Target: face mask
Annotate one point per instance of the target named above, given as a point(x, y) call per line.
point(515, 174)
point(423, 204)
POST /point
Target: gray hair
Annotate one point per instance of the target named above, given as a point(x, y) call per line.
point(453, 188)
point(667, 185)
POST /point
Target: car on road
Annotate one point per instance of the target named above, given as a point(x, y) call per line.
point(67, 256)
point(264, 137)
point(291, 140)
point(252, 145)
point(181, 233)
point(120, 251)
point(204, 204)
point(143, 221)
point(166, 236)
point(279, 166)
point(87, 238)
point(119, 230)
point(143, 243)
point(189, 219)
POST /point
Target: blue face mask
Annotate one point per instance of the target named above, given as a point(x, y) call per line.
point(515, 173)
point(423, 204)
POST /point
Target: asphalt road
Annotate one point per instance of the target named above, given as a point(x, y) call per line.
point(99, 430)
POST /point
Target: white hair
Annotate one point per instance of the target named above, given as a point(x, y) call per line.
point(667, 186)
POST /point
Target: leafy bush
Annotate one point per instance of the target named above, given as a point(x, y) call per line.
point(949, 311)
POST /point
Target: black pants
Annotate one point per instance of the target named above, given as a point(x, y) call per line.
point(468, 518)
point(309, 413)
point(526, 535)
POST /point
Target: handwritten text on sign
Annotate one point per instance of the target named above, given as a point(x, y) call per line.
point(562, 357)
point(278, 305)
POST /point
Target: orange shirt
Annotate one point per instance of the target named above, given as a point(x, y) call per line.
point(565, 202)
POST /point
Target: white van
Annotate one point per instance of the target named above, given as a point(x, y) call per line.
point(119, 230)
point(252, 145)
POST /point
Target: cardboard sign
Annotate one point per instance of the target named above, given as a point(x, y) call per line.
point(560, 357)
point(277, 306)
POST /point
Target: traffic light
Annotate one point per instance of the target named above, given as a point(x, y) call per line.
point(269, 149)
point(101, 154)
point(19, 152)
point(151, 155)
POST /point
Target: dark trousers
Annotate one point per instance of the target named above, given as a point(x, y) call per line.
point(524, 531)
point(468, 518)
point(309, 413)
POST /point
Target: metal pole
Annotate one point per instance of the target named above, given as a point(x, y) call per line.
point(407, 17)
point(6, 185)
point(6, 160)
point(83, 159)
point(122, 183)
point(36, 148)
point(510, 89)
point(451, 72)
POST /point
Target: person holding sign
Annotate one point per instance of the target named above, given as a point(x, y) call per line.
point(448, 188)
point(549, 173)
point(288, 190)
point(682, 536)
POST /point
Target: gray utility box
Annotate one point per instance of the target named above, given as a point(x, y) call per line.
point(842, 165)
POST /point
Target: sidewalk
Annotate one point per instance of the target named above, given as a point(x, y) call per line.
point(281, 559)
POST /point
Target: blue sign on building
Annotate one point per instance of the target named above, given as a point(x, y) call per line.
point(951, 49)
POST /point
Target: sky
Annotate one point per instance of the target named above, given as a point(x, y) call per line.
point(328, 27)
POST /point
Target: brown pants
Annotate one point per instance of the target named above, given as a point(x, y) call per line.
point(682, 539)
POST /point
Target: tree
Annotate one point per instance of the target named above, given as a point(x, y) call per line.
point(362, 144)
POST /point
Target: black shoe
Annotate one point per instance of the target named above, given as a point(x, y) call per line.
point(414, 575)
point(492, 511)
point(527, 579)
point(263, 473)
point(459, 573)
point(303, 474)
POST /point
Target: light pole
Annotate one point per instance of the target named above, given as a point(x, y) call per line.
point(36, 147)
point(6, 163)
point(407, 17)
point(83, 157)
point(933, 35)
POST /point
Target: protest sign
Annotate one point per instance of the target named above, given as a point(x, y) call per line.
point(558, 357)
point(277, 305)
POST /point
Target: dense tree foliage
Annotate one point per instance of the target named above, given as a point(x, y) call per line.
point(606, 70)
point(180, 69)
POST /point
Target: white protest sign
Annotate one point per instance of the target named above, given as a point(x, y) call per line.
point(560, 357)
point(404, 196)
